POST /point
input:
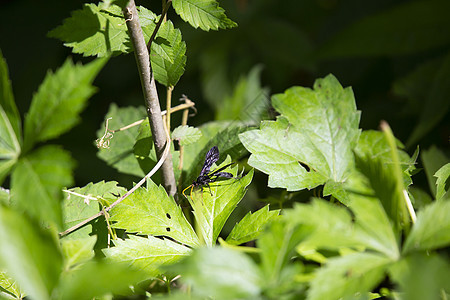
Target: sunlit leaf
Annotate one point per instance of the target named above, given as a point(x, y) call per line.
point(251, 226)
point(213, 205)
point(60, 99)
point(146, 254)
point(205, 14)
point(9, 288)
point(151, 211)
point(311, 142)
point(81, 203)
point(168, 50)
point(186, 134)
point(94, 31)
point(37, 182)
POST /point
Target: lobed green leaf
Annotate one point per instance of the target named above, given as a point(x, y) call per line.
point(206, 14)
point(62, 96)
point(311, 142)
point(150, 211)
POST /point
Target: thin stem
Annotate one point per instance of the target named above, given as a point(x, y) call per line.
point(183, 106)
point(150, 94)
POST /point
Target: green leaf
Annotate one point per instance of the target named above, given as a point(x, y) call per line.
point(120, 152)
point(441, 183)
point(248, 102)
point(9, 288)
point(422, 276)
point(168, 50)
point(37, 182)
point(317, 128)
point(109, 278)
point(433, 159)
point(250, 227)
point(205, 14)
point(419, 26)
point(431, 230)
point(146, 254)
point(77, 251)
point(30, 255)
point(151, 211)
point(10, 124)
point(437, 102)
point(212, 206)
point(59, 101)
point(81, 203)
point(186, 134)
point(348, 276)
point(94, 31)
point(220, 273)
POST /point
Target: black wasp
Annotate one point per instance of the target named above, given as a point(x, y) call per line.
point(206, 176)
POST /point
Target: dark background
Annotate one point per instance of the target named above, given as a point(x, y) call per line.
point(290, 39)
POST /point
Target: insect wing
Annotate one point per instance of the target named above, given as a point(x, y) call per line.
point(211, 157)
point(215, 172)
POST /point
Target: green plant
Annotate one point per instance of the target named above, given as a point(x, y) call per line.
point(358, 238)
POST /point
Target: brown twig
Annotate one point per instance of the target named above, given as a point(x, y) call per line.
point(150, 94)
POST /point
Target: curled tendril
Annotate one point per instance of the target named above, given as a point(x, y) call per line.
point(104, 141)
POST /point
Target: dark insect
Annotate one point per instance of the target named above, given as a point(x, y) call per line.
point(206, 176)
